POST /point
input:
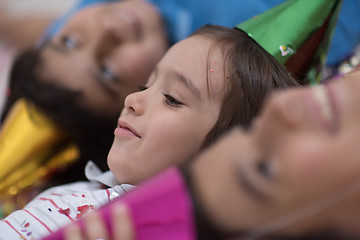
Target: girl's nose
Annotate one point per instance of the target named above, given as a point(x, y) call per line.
point(135, 103)
point(283, 110)
point(110, 26)
point(108, 34)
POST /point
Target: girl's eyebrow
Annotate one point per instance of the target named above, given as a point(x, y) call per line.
point(56, 47)
point(249, 187)
point(186, 81)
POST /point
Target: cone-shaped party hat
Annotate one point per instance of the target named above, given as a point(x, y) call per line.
point(26, 138)
point(297, 33)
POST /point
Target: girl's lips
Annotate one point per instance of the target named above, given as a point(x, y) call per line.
point(324, 107)
point(124, 128)
point(334, 103)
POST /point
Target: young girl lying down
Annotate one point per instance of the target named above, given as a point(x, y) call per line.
point(204, 85)
point(294, 175)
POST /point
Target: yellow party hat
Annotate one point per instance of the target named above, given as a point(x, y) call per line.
point(29, 144)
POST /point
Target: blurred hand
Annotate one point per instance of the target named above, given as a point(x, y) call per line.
point(95, 228)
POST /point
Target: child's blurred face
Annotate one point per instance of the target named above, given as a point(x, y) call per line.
point(106, 51)
point(167, 123)
point(302, 150)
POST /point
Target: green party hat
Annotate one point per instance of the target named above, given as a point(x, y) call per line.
point(297, 33)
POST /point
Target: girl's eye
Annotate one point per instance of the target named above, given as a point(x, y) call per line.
point(142, 88)
point(68, 42)
point(264, 168)
point(107, 74)
point(172, 101)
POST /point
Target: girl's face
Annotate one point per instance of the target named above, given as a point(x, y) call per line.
point(106, 51)
point(167, 122)
point(303, 149)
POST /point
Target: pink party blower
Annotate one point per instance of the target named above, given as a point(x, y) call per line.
point(160, 208)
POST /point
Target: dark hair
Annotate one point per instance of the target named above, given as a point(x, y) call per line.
point(252, 73)
point(324, 234)
point(93, 133)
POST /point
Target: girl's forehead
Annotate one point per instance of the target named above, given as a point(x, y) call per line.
point(198, 58)
point(197, 45)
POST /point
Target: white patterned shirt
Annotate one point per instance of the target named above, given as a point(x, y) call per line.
point(59, 206)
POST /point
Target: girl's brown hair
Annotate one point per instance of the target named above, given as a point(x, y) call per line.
point(251, 74)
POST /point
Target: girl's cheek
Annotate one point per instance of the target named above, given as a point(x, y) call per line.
point(308, 171)
point(294, 161)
